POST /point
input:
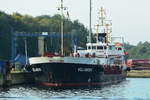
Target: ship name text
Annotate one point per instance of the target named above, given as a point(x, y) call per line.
point(84, 69)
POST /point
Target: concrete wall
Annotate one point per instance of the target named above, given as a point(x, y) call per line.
point(41, 45)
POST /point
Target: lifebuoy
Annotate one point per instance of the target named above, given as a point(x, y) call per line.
point(77, 55)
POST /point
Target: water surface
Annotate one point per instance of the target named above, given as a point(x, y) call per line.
point(131, 89)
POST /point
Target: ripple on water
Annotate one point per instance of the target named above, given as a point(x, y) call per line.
point(131, 89)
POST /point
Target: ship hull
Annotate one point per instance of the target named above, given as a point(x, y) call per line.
point(75, 75)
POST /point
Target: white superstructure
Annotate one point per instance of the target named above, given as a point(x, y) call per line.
point(106, 51)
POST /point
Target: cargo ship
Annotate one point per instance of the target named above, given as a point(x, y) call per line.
point(101, 63)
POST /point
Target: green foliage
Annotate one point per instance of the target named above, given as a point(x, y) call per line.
point(141, 51)
point(6, 22)
point(45, 23)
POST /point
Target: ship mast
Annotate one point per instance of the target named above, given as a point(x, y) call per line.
point(62, 8)
point(90, 17)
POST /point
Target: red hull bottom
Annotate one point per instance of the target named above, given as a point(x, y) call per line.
point(79, 84)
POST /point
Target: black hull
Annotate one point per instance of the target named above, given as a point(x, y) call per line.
point(75, 75)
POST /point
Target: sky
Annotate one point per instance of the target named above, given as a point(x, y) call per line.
point(130, 18)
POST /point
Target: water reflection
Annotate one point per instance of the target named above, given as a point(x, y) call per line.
point(131, 89)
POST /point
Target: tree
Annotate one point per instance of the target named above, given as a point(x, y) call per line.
point(45, 23)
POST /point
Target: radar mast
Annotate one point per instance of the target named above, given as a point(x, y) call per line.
point(103, 26)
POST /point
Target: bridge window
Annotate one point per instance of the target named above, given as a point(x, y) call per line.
point(89, 47)
point(100, 47)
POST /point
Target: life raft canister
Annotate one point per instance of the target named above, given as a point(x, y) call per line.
point(106, 68)
point(87, 55)
point(77, 55)
point(93, 55)
point(118, 44)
